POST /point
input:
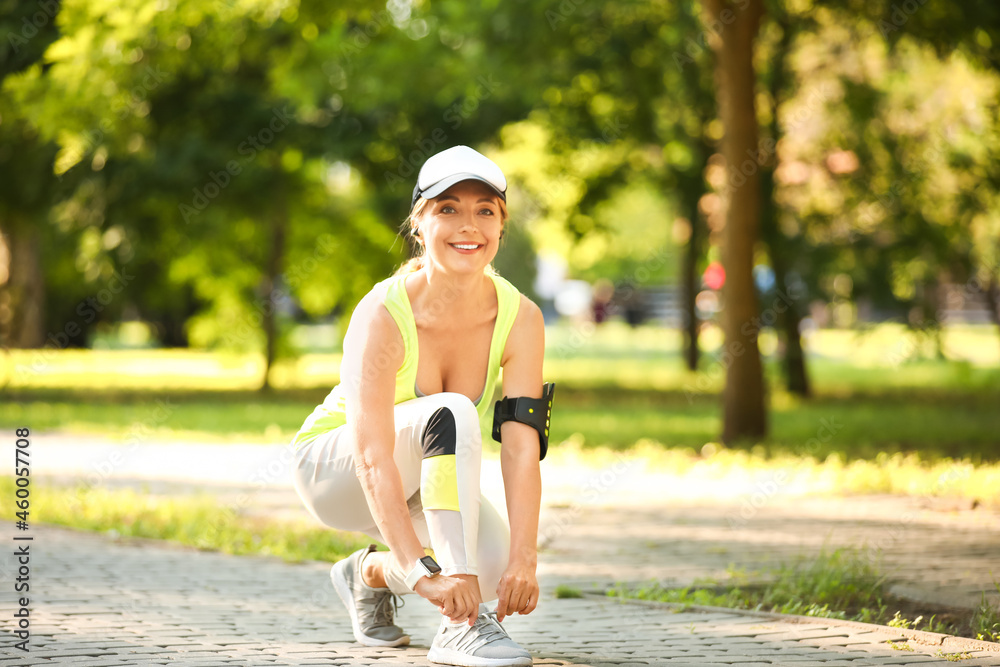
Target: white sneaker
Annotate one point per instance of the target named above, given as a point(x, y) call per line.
point(485, 644)
point(372, 610)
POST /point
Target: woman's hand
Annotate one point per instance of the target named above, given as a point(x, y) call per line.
point(453, 597)
point(518, 591)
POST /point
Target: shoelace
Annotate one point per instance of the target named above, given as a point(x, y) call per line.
point(386, 605)
point(489, 631)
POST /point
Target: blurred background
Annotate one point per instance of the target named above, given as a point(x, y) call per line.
point(767, 231)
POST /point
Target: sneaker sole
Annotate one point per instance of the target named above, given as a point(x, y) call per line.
point(346, 596)
point(448, 656)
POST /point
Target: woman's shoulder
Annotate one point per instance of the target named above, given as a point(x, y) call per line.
point(372, 324)
point(375, 306)
point(501, 281)
point(517, 298)
point(528, 313)
point(527, 331)
point(525, 317)
point(383, 289)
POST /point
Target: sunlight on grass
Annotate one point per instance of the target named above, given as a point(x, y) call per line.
point(726, 474)
point(200, 521)
point(644, 358)
point(843, 584)
point(888, 345)
point(131, 369)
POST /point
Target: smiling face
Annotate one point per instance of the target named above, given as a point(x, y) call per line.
point(460, 228)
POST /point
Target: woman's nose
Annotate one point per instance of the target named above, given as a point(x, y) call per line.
point(468, 220)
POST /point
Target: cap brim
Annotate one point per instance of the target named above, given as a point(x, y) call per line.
point(445, 183)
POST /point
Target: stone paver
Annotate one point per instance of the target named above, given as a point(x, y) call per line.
point(100, 602)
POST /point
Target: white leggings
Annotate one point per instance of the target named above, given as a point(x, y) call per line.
point(438, 452)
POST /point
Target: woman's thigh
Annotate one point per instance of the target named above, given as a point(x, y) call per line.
point(328, 485)
point(326, 482)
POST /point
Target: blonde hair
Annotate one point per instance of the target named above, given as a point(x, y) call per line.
point(416, 262)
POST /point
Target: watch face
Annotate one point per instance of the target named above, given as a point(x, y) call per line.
point(430, 564)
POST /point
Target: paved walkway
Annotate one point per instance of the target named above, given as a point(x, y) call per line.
point(96, 601)
point(99, 603)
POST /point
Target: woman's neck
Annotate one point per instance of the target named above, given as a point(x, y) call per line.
point(450, 296)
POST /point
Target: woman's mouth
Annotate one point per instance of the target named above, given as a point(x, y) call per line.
point(466, 248)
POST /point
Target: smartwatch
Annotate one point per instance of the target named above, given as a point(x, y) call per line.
point(424, 567)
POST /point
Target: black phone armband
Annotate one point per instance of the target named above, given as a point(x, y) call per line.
point(535, 412)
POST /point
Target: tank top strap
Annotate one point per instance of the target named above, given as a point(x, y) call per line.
point(508, 302)
point(398, 305)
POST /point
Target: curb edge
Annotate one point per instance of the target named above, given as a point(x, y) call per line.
point(919, 636)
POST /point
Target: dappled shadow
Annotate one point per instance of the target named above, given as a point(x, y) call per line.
point(941, 556)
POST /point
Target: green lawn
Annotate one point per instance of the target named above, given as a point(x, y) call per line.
point(200, 521)
point(615, 387)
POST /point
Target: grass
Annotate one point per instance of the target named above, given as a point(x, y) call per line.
point(987, 619)
point(843, 584)
point(955, 656)
point(860, 426)
point(564, 592)
point(199, 521)
point(887, 416)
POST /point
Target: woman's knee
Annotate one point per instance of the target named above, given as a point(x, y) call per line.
point(452, 426)
point(460, 405)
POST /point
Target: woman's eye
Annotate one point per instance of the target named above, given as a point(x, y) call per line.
point(486, 211)
point(447, 209)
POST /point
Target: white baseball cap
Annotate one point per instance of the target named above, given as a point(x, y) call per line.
point(453, 165)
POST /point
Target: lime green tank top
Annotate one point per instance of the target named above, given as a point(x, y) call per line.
point(331, 413)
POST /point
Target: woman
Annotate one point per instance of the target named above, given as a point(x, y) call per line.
point(394, 450)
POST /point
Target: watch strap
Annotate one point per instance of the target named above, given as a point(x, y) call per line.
point(416, 572)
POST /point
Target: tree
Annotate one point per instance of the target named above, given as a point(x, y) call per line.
point(626, 99)
point(744, 410)
point(782, 250)
point(971, 30)
point(26, 187)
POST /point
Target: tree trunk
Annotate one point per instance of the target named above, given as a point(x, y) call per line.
point(276, 253)
point(689, 278)
point(786, 307)
point(22, 294)
point(789, 318)
point(744, 413)
point(171, 322)
point(992, 293)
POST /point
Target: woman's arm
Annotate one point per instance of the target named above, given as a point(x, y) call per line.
point(373, 352)
point(522, 376)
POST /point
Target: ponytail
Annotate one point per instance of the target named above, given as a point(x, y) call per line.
point(410, 266)
point(416, 262)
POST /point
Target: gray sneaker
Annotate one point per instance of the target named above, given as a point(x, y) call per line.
point(485, 644)
point(372, 610)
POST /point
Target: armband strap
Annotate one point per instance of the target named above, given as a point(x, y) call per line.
point(535, 412)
